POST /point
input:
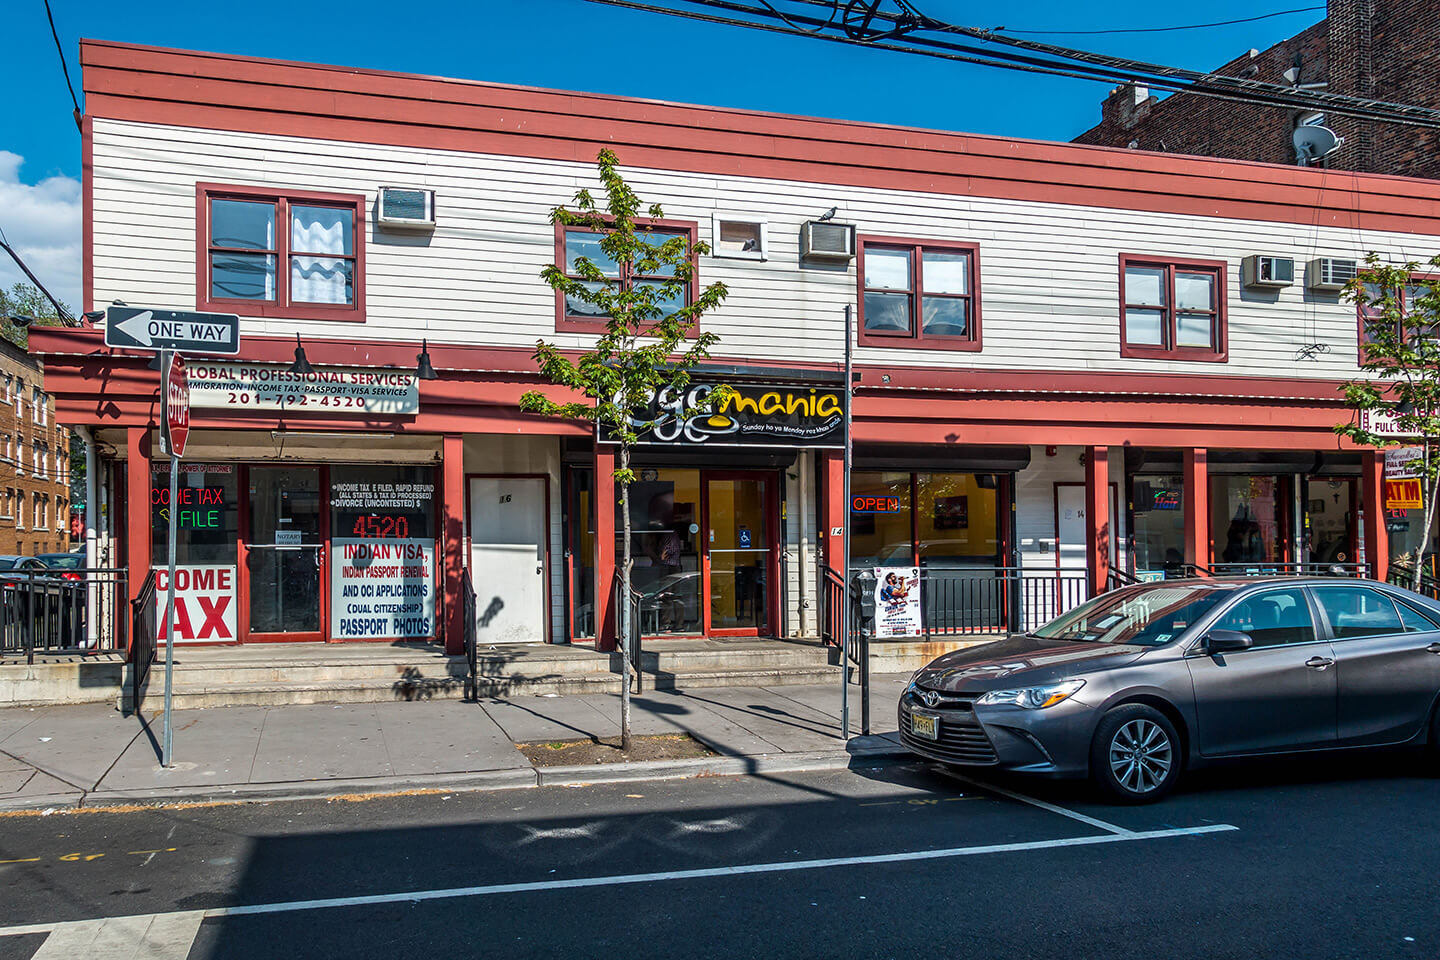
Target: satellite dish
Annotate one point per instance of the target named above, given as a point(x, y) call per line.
point(1314, 143)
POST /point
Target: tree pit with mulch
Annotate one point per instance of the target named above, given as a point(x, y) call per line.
point(594, 750)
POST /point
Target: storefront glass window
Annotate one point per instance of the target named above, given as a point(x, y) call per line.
point(880, 534)
point(580, 524)
point(1332, 527)
point(665, 525)
point(957, 519)
point(1247, 519)
point(1158, 506)
point(207, 515)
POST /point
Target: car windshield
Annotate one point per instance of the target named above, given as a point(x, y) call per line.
point(1145, 615)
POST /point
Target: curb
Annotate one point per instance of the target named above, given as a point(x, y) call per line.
point(877, 751)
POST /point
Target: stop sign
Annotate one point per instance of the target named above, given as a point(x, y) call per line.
point(177, 406)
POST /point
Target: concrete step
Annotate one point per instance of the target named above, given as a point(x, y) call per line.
point(907, 656)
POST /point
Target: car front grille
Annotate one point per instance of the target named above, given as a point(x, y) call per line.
point(962, 738)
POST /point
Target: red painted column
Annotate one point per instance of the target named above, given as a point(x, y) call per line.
point(1097, 518)
point(452, 522)
point(137, 507)
point(832, 509)
point(1372, 500)
point(604, 500)
point(1197, 507)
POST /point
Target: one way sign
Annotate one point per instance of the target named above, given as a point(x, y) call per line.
point(138, 328)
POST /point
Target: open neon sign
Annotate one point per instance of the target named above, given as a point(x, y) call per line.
point(875, 504)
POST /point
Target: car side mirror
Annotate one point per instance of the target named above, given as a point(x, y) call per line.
point(1223, 641)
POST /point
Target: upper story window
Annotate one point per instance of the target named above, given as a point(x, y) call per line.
point(574, 243)
point(1372, 316)
point(1172, 309)
point(292, 255)
point(916, 293)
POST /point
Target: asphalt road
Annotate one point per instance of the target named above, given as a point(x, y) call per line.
point(1329, 857)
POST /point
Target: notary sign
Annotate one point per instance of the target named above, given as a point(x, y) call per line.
point(137, 328)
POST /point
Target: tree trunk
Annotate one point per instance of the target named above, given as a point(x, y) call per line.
point(1430, 485)
point(625, 625)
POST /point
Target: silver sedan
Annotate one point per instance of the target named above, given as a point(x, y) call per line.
point(1139, 684)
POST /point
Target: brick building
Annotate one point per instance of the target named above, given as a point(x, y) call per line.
point(1382, 49)
point(34, 460)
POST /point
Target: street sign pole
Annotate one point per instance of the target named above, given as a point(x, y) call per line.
point(845, 638)
point(167, 361)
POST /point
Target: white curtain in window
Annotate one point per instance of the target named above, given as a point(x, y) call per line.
point(318, 279)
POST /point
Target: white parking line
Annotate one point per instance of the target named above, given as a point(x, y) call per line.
point(1053, 808)
point(784, 866)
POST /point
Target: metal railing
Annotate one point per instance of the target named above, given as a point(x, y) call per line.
point(1402, 575)
point(1115, 579)
point(972, 601)
point(52, 610)
point(1283, 569)
point(470, 633)
point(144, 634)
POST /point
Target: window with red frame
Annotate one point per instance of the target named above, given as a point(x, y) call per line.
point(1370, 313)
point(919, 294)
point(1172, 309)
point(281, 255)
point(576, 242)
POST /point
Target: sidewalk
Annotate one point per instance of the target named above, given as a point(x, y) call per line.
point(90, 755)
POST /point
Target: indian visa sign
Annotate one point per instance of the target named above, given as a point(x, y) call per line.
point(754, 415)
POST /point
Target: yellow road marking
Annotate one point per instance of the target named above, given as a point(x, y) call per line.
point(77, 857)
point(26, 860)
point(140, 853)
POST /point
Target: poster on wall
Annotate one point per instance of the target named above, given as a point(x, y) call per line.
point(897, 602)
point(382, 569)
point(204, 602)
point(382, 589)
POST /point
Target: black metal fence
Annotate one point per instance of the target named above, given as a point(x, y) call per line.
point(1401, 575)
point(53, 610)
point(144, 630)
point(982, 601)
point(1252, 569)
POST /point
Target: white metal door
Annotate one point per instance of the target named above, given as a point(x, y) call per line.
point(1070, 538)
point(508, 534)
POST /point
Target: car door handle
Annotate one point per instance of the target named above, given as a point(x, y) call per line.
point(1318, 663)
point(1433, 648)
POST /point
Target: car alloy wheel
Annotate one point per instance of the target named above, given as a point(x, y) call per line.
point(1141, 756)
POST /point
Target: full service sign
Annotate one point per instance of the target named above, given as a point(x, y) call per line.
point(239, 386)
point(204, 602)
point(769, 415)
point(897, 602)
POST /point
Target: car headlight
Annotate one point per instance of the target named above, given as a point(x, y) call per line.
point(1033, 698)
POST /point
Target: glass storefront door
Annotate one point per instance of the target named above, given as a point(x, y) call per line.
point(285, 552)
point(739, 551)
point(1249, 525)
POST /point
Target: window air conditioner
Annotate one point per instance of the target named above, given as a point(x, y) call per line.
point(827, 240)
point(1329, 273)
point(405, 208)
point(1261, 271)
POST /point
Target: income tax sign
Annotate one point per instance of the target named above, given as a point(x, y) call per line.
point(177, 406)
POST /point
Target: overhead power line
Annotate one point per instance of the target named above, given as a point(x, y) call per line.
point(64, 67)
point(903, 28)
point(1188, 26)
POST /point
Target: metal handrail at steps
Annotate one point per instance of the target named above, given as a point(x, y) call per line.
point(144, 633)
point(55, 610)
point(1403, 575)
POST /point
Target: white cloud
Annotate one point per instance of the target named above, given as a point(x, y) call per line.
point(42, 222)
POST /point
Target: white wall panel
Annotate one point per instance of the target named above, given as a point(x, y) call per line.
point(1049, 277)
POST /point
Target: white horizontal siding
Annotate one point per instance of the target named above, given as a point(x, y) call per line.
point(1049, 272)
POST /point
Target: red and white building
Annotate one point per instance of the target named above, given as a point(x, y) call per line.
point(1062, 365)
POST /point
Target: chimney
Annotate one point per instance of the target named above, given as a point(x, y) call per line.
point(1127, 105)
point(1349, 71)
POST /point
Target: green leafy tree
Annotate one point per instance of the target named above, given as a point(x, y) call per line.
point(1400, 363)
point(25, 300)
point(650, 343)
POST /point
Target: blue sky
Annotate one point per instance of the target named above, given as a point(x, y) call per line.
point(571, 44)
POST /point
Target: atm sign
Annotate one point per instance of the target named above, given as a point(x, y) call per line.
point(874, 504)
point(1403, 495)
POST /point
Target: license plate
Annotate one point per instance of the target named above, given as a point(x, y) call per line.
point(925, 725)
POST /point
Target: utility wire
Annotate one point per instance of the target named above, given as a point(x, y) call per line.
point(60, 310)
point(897, 31)
point(1188, 26)
point(64, 67)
